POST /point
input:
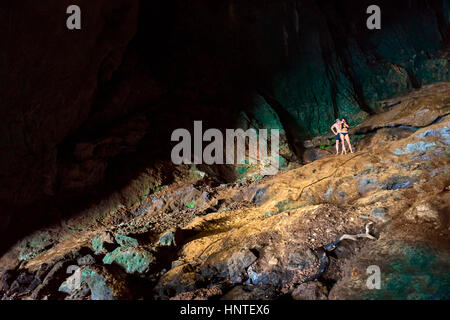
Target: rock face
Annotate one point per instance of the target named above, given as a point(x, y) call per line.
point(81, 109)
point(86, 123)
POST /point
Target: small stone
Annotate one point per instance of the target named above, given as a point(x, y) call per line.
point(85, 260)
point(379, 214)
point(167, 239)
point(424, 212)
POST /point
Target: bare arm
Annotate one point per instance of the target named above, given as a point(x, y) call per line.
point(332, 129)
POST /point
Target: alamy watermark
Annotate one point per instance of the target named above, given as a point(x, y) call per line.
point(234, 146)
point(374, 280)
point(73, 22)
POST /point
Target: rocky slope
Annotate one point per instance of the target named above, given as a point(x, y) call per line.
point(309, 232)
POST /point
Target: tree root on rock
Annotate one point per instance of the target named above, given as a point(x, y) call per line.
point(322, 252)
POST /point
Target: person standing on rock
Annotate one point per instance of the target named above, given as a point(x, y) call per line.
point(336, 128)
point(345, 136)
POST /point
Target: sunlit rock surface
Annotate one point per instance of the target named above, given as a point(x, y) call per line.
point(265, 238)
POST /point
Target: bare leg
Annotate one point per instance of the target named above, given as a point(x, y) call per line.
point(347, 138)
point(337, 146)
point(344, 149)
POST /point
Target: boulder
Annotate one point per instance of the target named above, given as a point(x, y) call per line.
point(98, 243)
point(103, 284)
point(238, 263)
point(125, 241)
point(131, 260)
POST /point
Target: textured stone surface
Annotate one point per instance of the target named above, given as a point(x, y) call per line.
point(86, 119)
point(130, 259)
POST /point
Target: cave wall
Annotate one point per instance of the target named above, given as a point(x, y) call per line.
point(320, 62)
point(84, 112)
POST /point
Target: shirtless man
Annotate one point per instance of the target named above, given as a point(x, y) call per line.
point(336, 128)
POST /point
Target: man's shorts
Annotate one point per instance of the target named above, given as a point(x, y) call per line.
point(338, 137)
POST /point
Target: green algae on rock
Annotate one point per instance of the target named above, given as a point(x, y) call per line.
point(98, 242)
point(419, 274)
point(167, 239)
point(130, 259)
point(125, 241)
point(35, 245)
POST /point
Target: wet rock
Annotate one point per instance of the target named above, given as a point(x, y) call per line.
point(313, 290)
point(130, 259)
